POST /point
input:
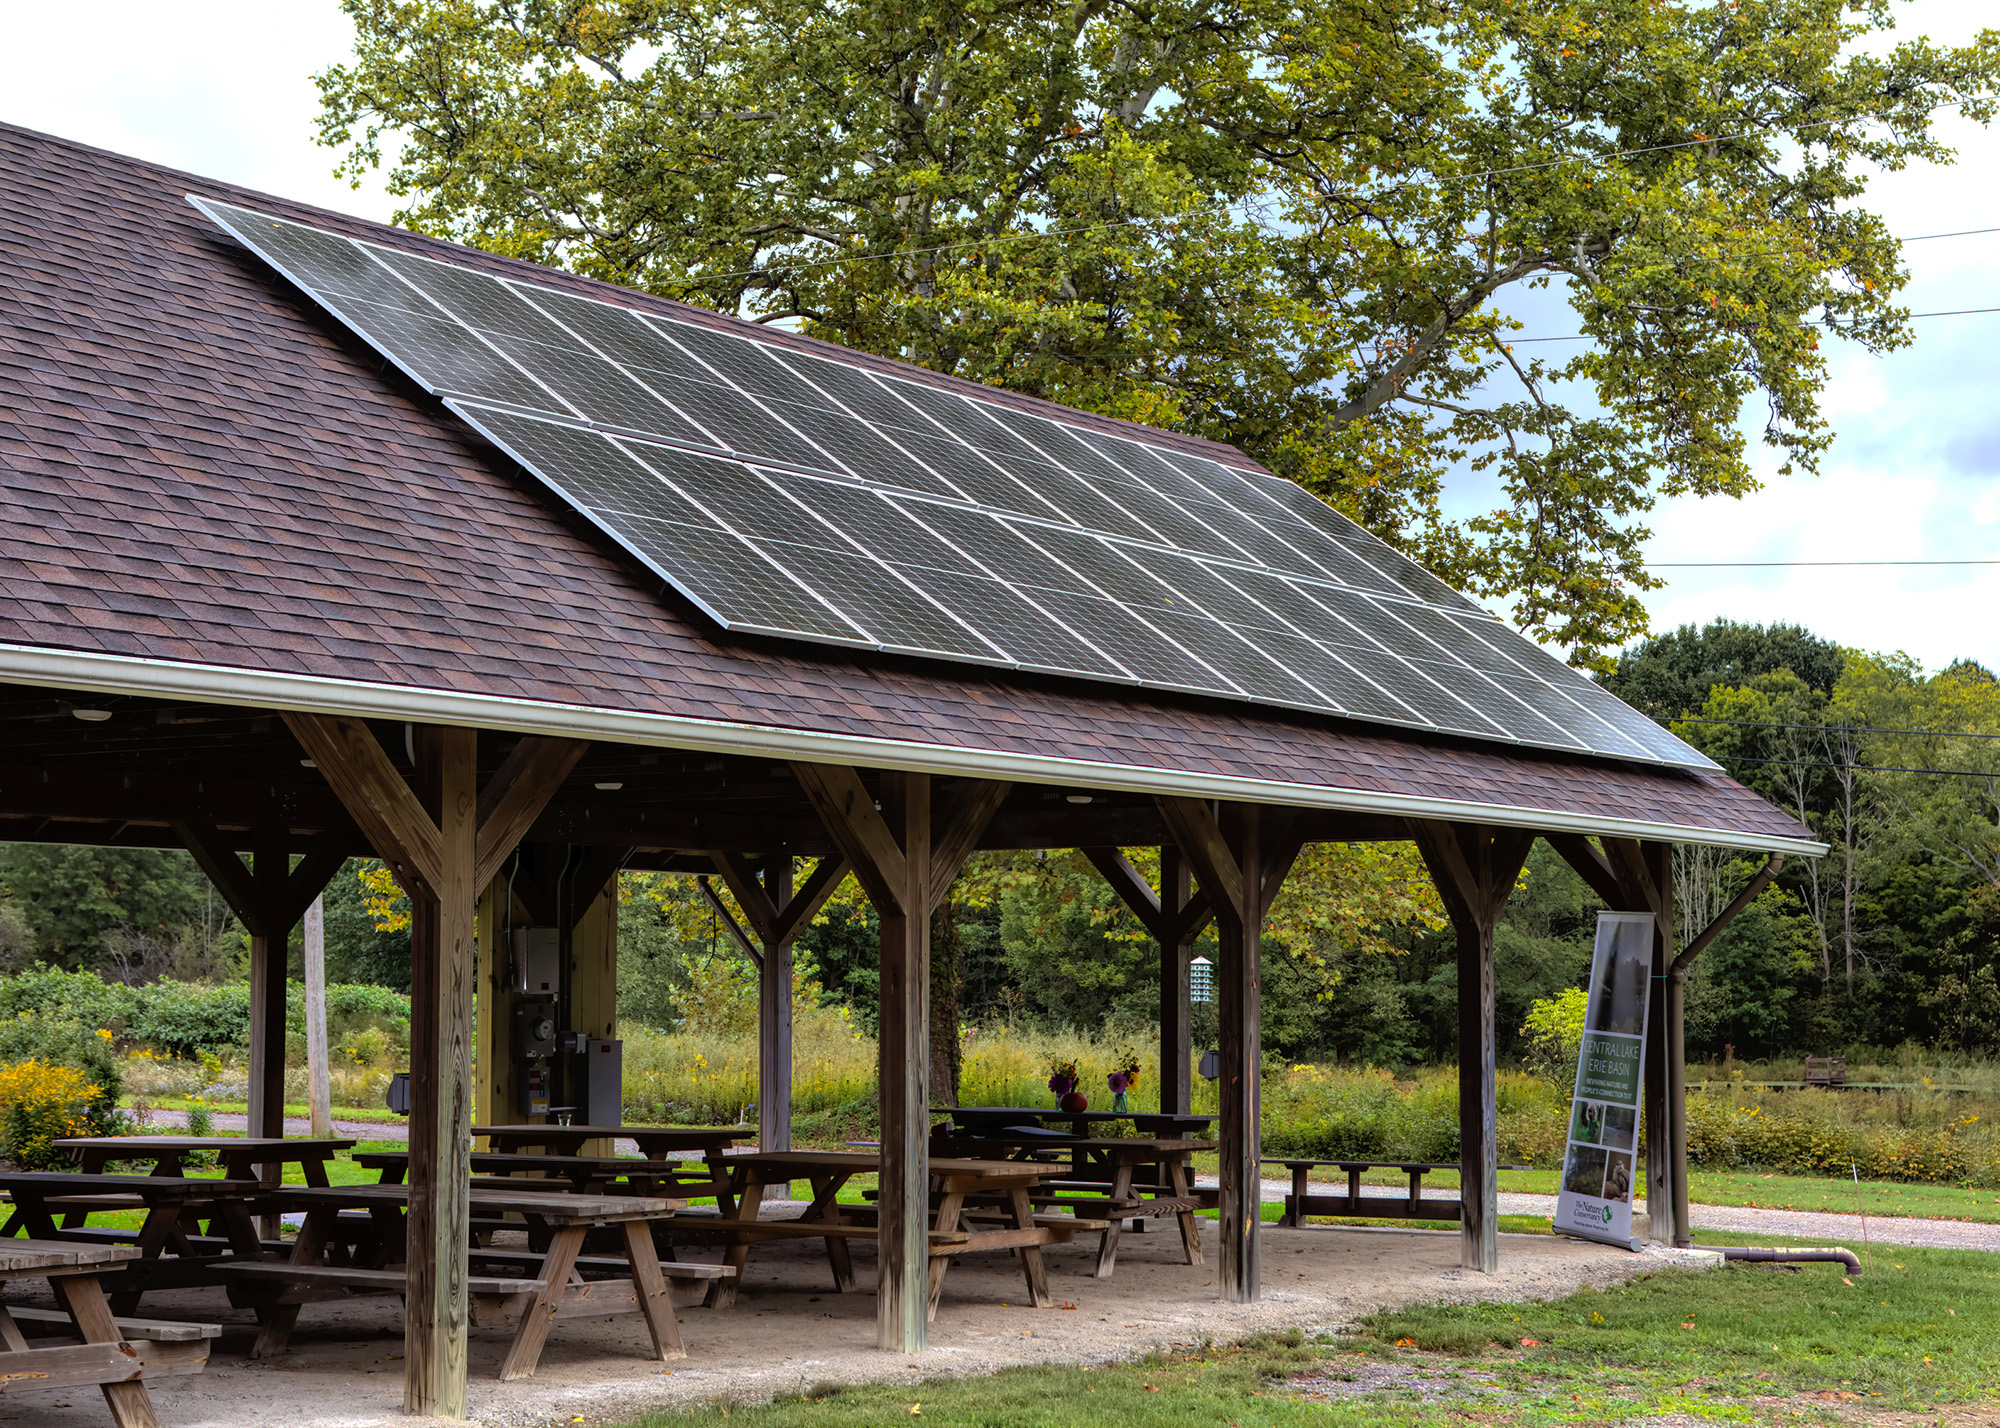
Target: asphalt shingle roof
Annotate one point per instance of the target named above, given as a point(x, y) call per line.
point(198, 465)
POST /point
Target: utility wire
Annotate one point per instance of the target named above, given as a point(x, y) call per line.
point(1801, 564)
point(1863, 768)
point(1828, 728)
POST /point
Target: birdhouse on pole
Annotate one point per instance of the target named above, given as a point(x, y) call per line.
point(1201, 980)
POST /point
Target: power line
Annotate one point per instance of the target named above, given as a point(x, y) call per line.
point(1801, 564)
point(1828, 728)
point(1865, 768)
point(1585, 337)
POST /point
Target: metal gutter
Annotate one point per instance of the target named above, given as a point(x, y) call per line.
point(264, 689)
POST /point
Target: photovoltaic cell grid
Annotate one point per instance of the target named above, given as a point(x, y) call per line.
point(801, 496)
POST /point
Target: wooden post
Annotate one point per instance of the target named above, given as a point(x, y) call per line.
point(777, 915)
point(319, 1071)
point(890, 844)
point(1240, 1007)
point(1475, 869)
point(271, 867)
point(436, 1309)
point(774, 1020)
point(444, 842)
point(1241, 860)
point(1176, 1030)
point(904, 1059)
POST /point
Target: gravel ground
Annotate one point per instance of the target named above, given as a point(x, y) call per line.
point(790, 1331)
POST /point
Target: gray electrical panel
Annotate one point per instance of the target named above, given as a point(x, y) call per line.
point(603, 1098)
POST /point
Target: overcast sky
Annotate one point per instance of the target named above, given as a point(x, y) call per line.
point(223, 88)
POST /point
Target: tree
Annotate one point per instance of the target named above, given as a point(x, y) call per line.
point(75, 898)
point(1671, 676)
point(1295, 227)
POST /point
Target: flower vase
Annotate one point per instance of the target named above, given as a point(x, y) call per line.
point(1118, 1103)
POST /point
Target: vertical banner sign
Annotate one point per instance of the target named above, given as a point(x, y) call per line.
point(1599, 1167)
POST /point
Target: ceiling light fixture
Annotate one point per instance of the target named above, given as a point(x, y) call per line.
point(92, 716)
point(1079, 798)
point(307, 764)
point(609, 786)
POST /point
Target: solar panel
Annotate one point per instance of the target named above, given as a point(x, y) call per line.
point(803, 495)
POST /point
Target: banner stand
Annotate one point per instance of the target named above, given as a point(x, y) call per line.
point(1600, 1162)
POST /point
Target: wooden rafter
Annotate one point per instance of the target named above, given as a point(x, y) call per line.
point(515, 796)
point(847, 811)
point(973, 808)
point(1200, 839)
point(1167, 927)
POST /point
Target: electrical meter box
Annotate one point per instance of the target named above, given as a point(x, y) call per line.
point(534, 1029)
point(603, 1098)
point(537, 961)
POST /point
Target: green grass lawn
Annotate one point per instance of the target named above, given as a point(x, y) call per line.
point(1745, 1343)
point(374, 1115)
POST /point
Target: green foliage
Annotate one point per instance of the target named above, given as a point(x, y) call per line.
point(182, 1018)
point(62, 1038)
point(1289, 227)
point(73, 899)
point(1554, 1036)
point(1671, 676)
point(357, 951)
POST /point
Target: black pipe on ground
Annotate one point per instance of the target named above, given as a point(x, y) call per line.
point(1786, 1256)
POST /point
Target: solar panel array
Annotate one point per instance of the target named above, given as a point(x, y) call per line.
point(791, 494)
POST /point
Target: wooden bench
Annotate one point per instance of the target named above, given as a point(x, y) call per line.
point(1300, 1203)
point(110, 1358)
point(155, 1331)
point(1828, 1071)
point(527, 1303)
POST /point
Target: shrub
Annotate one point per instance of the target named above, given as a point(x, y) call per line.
point(1554, 1035)
point(40, 1104)
point(58, 1040)
point(183, 1018)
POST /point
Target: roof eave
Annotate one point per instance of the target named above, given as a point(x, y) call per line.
point(98, 673)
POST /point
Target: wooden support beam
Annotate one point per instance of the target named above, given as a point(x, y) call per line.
point(741, 879)
point(1199, 837)
point(809, 899)
point(859, 829)
point(1475, 869)
point(516, 795)
point(903, 1281)
point(1240, 858)
point(1590, 865)
point(774, 1014)
point(434, 838)
point(1174, 917)
point(374, 794)
point(436, 1309)
point(973, 808)
point(587, 877)
point(728, 920)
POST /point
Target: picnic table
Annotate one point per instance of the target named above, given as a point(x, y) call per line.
point(115, 1355)
point(656, 1143)
point(1299, 1204)
point(952, 1232)
point(239, 1156)
point(983, 1120)
point(525, 1291)
point(1100, 1179)
point(173, 1250)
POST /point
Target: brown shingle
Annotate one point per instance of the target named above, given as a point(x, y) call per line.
point(197, 464)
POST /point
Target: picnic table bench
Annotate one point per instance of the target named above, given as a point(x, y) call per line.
point(172, 1250)
point(1099, 1181)
point(239, 1156)
point(951, 1232)
point(533, 1290)
point(1299, 1203)
point(657, 1144)
point(115, 1355)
